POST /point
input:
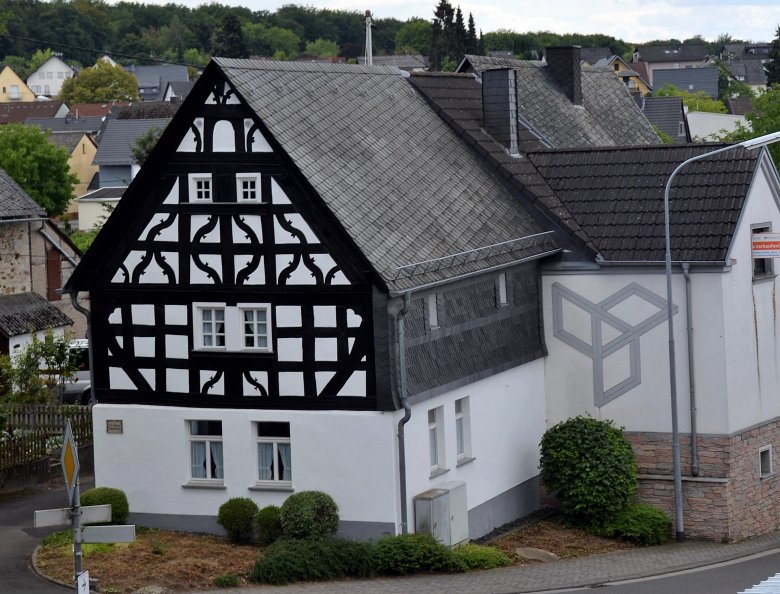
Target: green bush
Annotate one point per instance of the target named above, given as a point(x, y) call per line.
point(309, 514)
point(236, 516)
point(318, 559)
point(268, 525)
point(228, 580)
point(639, 523)
point(120, 509)
point(413, 553)
point(472, 556)
point(589, 465)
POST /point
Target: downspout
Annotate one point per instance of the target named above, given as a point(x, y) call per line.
point(401, 330)
point(691, 378)
point(85, 312)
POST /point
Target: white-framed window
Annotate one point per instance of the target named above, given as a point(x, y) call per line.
point(201, 189)
point(763, 268)
point(462, 430)
point(274, 454)
point(49, 75)
point(206, 460)
point(436, 440)
point(240, 327)
point(765, 468)
point(248, 188)
point(60, 74)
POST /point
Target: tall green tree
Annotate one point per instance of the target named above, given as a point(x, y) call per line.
point(414, 37)
point(38, 166)
point(773, 66)
point(103, 82)
point(763, 119)
point(322, 48)
point(229, 39)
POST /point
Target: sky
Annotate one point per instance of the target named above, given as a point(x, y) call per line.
point(630, 20)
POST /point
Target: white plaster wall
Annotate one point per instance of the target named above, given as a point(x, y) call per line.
point(507, 422)
point(350, 455)
point(751, 325)
point(647, 406)
point(92, 213)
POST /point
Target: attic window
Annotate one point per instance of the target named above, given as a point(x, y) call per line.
point(201, 189)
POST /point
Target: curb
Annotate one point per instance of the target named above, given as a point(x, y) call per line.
point(42, 575)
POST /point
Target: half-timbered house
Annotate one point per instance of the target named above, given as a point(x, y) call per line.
point(313, 283)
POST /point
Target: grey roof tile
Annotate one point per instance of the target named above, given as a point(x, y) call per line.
point(25, 312)
point(691, 80)
point(116, 141)
point(688, 52)
point(67, 124)
point(15, 203)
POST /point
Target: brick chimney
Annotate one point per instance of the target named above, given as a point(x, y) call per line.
point(499, 106)
point(563, 63)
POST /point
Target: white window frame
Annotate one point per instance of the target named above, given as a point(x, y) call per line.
point(277, 481)
point(196, 179)
point(199, 322)
point(233, 326)
point(463, 430)
point(436, 457)
point(765, 462)
point(768, 263)
point(245, 178)
point(208, 440)
point(256, 335)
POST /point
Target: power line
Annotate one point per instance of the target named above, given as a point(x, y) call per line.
point(95, 51)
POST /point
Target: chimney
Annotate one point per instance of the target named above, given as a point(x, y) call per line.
point(563, 63)
point(499, 106)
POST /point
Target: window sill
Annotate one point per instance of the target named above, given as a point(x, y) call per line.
point(267, 487)
point(764, 278)
point(204, 485)
point(463, 461)
point(438, 472)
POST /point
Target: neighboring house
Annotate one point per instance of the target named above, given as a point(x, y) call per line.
point(593, 55)
point(19, 113)
point(12, 88)
point(95, 206)
point(81, 149)
point(87, 110)
point(740, 105)
point(668, 115)
point(36, 259)
point(665, 57)
point(48, 79)
point(83, 125)
point(252, 289)
point(748, 71)
point(710, 127)
point(114, 156)
point(690, 80)
point(153, 80)
point(635, 81)
point(177, 91)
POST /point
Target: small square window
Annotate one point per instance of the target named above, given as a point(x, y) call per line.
point(206, 461)
point(274, 453)
point(765, 461)
point(202, 189)
point(248, 188)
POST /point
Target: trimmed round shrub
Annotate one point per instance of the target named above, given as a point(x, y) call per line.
point(473, 556)
point(268, 525)
point(317, 559)
point(413, 553)
point(309, 514)
point(120, 509)
point(639, 523)
point(590, 466)
point(236, 516)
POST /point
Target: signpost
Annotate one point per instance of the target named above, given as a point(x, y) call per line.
point(77, 515)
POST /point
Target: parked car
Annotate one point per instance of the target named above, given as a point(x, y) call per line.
point(78, 389)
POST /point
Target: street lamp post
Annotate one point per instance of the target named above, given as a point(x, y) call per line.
point(748, 144)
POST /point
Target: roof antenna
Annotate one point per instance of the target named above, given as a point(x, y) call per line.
point(369, 53)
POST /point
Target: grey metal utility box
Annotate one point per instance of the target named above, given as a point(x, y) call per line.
point(443, 512)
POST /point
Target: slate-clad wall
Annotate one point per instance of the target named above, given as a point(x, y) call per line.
point(499, 106)
point(563, 63)
point(475, 337)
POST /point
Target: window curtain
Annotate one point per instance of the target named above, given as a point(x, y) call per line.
point(284, 456)
point(216, 460)
point(198, 450)
point(266, 461)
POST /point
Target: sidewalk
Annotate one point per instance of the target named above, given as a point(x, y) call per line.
point(571, 573)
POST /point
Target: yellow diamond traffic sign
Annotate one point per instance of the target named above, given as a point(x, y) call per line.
point(69, 461)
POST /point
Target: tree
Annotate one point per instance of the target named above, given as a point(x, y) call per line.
point(414, 37)
point(145, 143)
point(322, 48)
point(39, 58)
point(99, 84)
point(773, 66)
point(229, 39)
point(699, 101)
point(763, 119)
point(38, 166)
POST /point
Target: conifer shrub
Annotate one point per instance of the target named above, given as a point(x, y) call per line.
point(590, 466)
point(268, 525)
point(309, 514)
point(236, 516)
point(120, 509)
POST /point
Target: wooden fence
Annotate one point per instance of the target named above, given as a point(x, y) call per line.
point(34, 431)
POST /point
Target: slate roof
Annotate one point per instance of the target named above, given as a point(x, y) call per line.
point(111, 193)
point(751, 71)
point(689, 52)
point(15, 203)
point(157, 77)
point(740, 105)
point(666, 113)
point(67, 124)
point(608, 116)
point(591, 55)
point(146, 110)
point(116, 140)
point(68, 140)
point(404, 62)
point(400, 182)
point(181, 88)
point(22, 313)
point(17, 113)
point(692, 80)
point(617, 197)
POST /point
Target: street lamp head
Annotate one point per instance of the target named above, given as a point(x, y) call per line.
point(761, 140)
